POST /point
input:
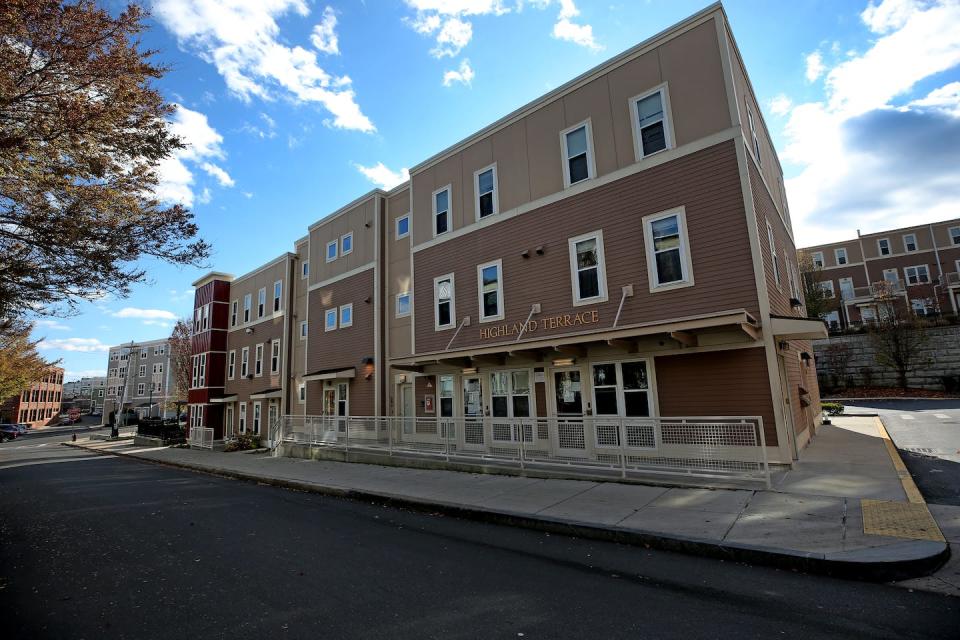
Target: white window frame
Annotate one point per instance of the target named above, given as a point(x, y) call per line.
point(565, 158)
point(477, 194)
point(344, 251)
point(145, 352)
point(397, 311)
point(954, 239)
point(817, 257)
point(231, 364)
point(234, 310)
point(500, 312)
point(257, 417)
point(205, 315)
point(142, 371)
point(343, 307)
point(635, 121)
point(916, 269)
point(916, 247)
point(261, 302)
point(141, 389)
point(436, 302)
point(247, 307)
point(242, 417)
point(396, 227)
point(275, 356)
point(840, 282)
point(686, 261)
point(880, 247)
point(277, 296)
point(303, 329)
point(258, 360)
point(336, 248)
point(771, 239)
point(841, 251)
point(244, 362)
point(304, 269)
point(326, 319)
point(433, 205)
point(157, 368)
point(823, 285)
point(751, 123)
point(601, 269)
point(302, 392)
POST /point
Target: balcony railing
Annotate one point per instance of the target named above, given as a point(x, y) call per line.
point(723, 447)
point(200, 437)
point(884, 287)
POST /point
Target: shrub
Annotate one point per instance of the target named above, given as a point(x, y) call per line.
point(832, 408)
point(867, 374)
point(244, 442)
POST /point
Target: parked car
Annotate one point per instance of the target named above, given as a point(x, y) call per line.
point(8, 432)
point(22, 427)
point(65, 420)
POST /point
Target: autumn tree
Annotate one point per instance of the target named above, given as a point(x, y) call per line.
point(816, 299)
point(898, 337)
point(82, 133)
point(20, 363)
point(181, 354)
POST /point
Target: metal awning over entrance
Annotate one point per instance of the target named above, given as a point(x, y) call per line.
point(793, 328)
point(266, 394)
point(331, 374)
point(224, 399)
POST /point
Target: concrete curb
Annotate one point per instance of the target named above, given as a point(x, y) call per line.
point(900, 561)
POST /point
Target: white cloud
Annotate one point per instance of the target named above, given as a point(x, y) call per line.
point(815, 66)
point(243, 41)
point(581, 34)
point(464, 74)
point(866, 161)
point(84, 345)
point(72, 376)
point(205, 196)
point(780, 105)
point(181, 296)
point(383, 177)
point(324, 36)
point(222, 176)
point(144, 314)
point(203, 144)
point(53, 325)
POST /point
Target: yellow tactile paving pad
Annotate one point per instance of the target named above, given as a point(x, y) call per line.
point(899, 519)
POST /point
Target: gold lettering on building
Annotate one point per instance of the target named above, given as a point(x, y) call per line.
point(548, 323)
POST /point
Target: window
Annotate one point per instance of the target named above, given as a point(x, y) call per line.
point(403, 226)
point(330, 319)
point(577, 154)
point(490, 290)
point(753, 134)
point(231, 364)
point(205, 325)
point(247, 302)
point(141, 388)
point(245, 362)
point(233, 313)
point(302, 392)
point(668, 255)
point(910, 242)
point(303, 330)
point(112, 373)
point(162, 349)
point(143, 352)
point(827, 286)
point(243, 417)
point(954, 235)
point(587, 268)
point(444, 313)
point(261, 302)
point(199, 370)
point(883, 246)
point(196, 320)
point(142, 371)
point(258, 361)
point(157, 367)
point(346, 243)
point(256, 418)
point(651, 129)
point(916, 275)
point(275, 356)
point(485, 186)
point(621, 389)
point(846, 288)
point(331, 251)
point(441, 211)
point(123, 372)
point(304, 269)
point(773, 254)
point(817, 257)
point(841, 255)
point(403, 304)
point(277, 292)
point(922, 306)
point(346, 315)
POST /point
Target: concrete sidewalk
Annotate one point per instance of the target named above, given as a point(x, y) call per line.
point(812, 520)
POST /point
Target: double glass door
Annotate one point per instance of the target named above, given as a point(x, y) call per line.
point(510, 405)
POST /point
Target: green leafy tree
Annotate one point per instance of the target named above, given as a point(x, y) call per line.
point(82, 132)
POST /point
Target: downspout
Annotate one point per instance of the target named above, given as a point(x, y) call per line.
point(936, 252)
point(285, 368)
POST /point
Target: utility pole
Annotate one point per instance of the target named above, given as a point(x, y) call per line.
point(115, 431)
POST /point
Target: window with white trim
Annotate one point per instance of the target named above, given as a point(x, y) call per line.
point(773, 254)
point(196, 320)
point(587, 268)
point(441, 211)
point(122, 372)
point(840, 255)
point(261, 302)
point(304, 269)
point(205, 324)
point(256, 418)
point(157, 368)
point(620, 389)
point(144, 352)
point(331, 251)
point(243, 417)
point(916, 275)
point(275, 356)
point(302, 392)
point(142, 371)
point(443, 302)
point(485, 188)
point(141, 388)
point(753, 133)
point(668, 250)
point(233, 313)
point(231, 364)
point(403, 304)
point(258, 361)
point(277, 295)
point(247, 303)
point(577, 153)
point(490, 290)
point(883, 246)
point(651, 126)
point(910, 242)
point(846, 288)
point(827, 287)
point(817, 257)
point(303, 329)
point(330, 319)
point(402, 229)
point(346, 315)
point(954, 235)
point(245, 362)
point(346, 243)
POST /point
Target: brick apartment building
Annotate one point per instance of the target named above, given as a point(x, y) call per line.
point(919, 265)
point(139, 379)
point(618, 249)
point(39, 405)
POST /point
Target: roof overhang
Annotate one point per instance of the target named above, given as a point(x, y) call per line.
point(266, 394)
point(224, 399)
point(210, 277)
point(785, 328)
point(331, 374)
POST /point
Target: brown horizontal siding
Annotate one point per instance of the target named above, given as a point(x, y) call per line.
point(263, 333)
point(766, 212)
point(801, 375)
point(342, 347)
point(719, 383)
point(706, 183)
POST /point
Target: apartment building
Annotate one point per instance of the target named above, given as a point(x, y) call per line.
point(618, 250)
point(39, 405)
point(139, 379)
point(86, 394)
point(919, 265)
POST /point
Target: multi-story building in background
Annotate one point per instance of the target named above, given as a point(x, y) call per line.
point(139, 379)
point(39, 405)
point(87, 394)
point(618, 249)
point(919, 266)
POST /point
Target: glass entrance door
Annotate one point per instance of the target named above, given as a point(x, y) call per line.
point(472, 411)
point(510, 405)
point(568, 396)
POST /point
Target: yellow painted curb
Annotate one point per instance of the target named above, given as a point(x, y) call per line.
point(909, 486)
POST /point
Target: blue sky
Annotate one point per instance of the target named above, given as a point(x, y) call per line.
point(296, 107)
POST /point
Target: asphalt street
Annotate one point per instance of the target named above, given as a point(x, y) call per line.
point(101, 547)
point(927, 433)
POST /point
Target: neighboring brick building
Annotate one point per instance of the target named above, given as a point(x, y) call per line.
point(39, 405)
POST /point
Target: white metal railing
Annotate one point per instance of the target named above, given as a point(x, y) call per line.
point(201, 437)
point(720, 447)
point(883, 287)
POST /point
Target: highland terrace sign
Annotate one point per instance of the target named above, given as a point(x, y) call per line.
point(541, 324)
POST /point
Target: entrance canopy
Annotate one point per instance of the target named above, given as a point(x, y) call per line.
point(331, 374)
point(265, 394)
point(793, 328)
point(224, 399)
